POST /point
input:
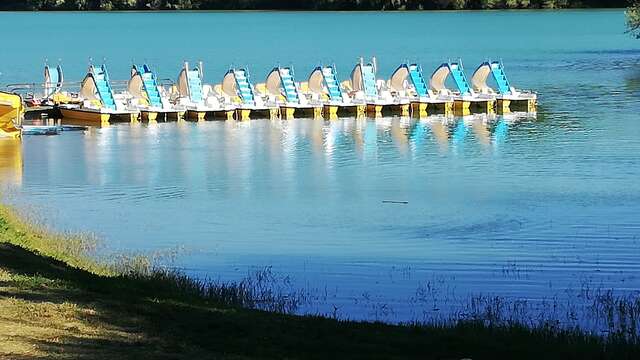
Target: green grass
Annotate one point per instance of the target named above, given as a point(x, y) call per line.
point(56, 302)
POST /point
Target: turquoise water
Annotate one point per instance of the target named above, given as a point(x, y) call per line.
point(522, 207)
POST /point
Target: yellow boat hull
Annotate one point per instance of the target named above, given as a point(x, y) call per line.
point(11, 112)
point(85, 116)
point(11, 161)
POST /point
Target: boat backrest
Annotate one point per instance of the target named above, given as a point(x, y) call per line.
point(53, 80)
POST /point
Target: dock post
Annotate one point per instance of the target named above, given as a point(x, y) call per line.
point(104, 120)
point(448, 109)
point(149, 116)
point(243, 114)
point(134, 118)
point(404, 110)
point(419, 110)
point(331, 112)
point(274, 113)
point(504, 106)
point(196, 115)
point(491, 107)
point(462, 108)
point(374, 111)
point(317, 113)
point(289, 113)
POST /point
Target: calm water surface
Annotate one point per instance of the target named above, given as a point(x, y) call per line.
point(519, 206)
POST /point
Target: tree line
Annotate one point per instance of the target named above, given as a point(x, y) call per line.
point(302, 4)
point(633, 18)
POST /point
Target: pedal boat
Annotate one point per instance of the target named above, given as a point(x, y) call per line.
point(99, 106)
point(508, 97)
point(407, 81)
point(150, 98)
point(200, 101)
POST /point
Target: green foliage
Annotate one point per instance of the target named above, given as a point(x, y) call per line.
point(633, 19)
point(300, 4)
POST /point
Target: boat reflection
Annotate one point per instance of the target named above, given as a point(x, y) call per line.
point(440, 129)
point(327, 140)
point(11, 164)
point(262, 149)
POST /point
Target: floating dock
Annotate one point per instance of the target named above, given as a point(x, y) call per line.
point(322, 96)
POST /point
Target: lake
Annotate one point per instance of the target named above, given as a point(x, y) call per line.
point(389, 219)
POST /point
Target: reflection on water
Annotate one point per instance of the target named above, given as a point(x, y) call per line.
point(203, 153)
point(233, 155)
point(10, 162)
point(309, 197)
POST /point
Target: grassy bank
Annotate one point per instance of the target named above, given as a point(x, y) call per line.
point(58, 303)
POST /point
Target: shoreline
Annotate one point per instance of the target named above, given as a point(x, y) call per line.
point(56, 301)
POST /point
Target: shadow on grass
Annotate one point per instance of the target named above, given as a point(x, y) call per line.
point(149, 317)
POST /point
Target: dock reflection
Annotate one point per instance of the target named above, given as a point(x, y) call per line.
point(330, 140)
point(238, 156)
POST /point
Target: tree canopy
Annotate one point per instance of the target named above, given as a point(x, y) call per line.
point(633, 18)
point(302, 4)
